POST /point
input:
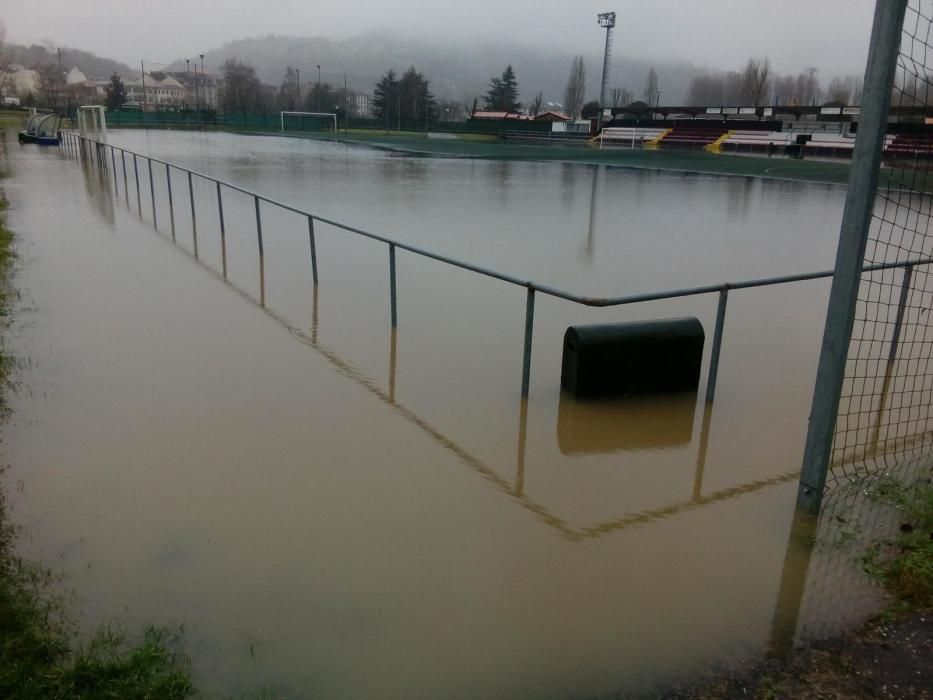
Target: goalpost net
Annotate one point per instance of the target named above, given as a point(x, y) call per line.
point(309, 121)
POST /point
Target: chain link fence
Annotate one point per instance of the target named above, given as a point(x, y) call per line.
point(884, 417)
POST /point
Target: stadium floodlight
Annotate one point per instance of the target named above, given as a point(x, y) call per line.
point(329, 117)
point(607, 20)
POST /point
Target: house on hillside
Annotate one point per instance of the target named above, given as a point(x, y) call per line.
point(155, 92)
point(17, 81)
point(75, 76)
point(200, 88)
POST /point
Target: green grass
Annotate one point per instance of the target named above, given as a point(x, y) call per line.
point(37, 657)
point(905, 564)
point(12, 118)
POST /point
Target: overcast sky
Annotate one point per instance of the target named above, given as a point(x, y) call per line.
point(830, 34)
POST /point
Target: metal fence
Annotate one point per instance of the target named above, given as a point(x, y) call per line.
point(106, 156)
point(872, 403)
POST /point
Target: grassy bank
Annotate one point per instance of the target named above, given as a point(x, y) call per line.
point(38, 658)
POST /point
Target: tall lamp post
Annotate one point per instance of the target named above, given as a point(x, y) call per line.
point(319, 87)
point(187, 74)
point(61, 70)
point(203, 95)
point(298, 86)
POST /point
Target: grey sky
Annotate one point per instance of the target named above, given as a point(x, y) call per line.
point(830, 34)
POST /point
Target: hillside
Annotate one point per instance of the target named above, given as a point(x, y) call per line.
point(457, 71)
point(92, 65)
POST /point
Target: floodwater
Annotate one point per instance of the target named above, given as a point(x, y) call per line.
point(335, 510)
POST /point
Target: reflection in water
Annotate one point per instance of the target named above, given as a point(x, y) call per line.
point(793, 584)
point(99, 192)
point(642, 423)
point(678, 409)
point(589, 247)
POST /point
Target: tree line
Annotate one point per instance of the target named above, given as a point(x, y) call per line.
point(757, 85)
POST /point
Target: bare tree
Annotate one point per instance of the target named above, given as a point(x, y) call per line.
point(619, 97)
point(756, 81)
point(6, 78)
point(651, 86)
point(534, 107)
point(574, 93)
point(706, 90)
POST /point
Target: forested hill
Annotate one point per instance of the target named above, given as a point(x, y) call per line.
point(92, 65)
point(456, 70)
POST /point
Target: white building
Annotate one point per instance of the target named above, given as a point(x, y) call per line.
point(167, 93)
point(361, 105)
point(75, 76)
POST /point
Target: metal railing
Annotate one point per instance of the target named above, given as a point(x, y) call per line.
point(84, 147)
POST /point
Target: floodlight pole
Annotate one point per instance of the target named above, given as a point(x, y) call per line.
point(608, 21)
point(853, 236)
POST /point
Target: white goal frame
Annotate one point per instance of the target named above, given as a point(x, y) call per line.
point(92, 122)
point(332, 115)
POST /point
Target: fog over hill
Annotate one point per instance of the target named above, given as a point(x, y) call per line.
point(457, 70)
point(91, 64)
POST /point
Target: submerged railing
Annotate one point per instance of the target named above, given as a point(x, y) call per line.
point(82, 146)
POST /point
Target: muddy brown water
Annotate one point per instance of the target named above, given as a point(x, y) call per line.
point(333, 511)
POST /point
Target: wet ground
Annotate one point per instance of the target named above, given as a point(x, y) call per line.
point(333, 509)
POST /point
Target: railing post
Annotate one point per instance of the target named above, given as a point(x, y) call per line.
point(717, 344)
point(126, 186)
point(139, 199)
point(394, 305)
point(901, 306)
point(223, 231)
point(171, 203)
point(155, 222)
point(529, 332)
point(313, 249)
point(113, 162)
point(258, 226)
point(194, 219)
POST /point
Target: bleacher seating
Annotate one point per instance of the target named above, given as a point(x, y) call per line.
point(756, 141)
point(628, 137)
point(910, 146)
point(693, 135)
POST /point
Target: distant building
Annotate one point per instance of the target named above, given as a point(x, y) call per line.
point(201, 89)
point(19, 82)
point(75, 76)
point(87, 92)
point(499, 115)
point(154, 92)
point(361, 105)
point(551, 116)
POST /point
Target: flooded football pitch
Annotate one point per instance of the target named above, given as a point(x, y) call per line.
point(333, 508)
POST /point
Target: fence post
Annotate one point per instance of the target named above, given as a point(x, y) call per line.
point(529, 332)
point(394, 305)
point(717, 345)
point(113, 162)
point(155, 222)
point(901, 306)
point(313, 249)
point(223, 231)
point(194, 219)
point(139, 199)
point(853, 235)
point(258, 227)
point(171, 204)
point(126, 186)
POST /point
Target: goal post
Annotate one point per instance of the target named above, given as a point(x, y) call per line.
point(316, 119)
